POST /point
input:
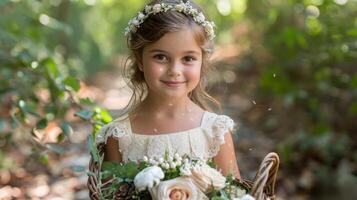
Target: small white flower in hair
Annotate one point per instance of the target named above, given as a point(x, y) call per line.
point(141, 16)
point(193, 12)
point(147, 8)
point(156, 8)
point(135, 22)
point(209, 28)
point(180, 7)
point(200, 18)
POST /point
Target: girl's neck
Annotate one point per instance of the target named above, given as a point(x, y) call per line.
point(168, 108)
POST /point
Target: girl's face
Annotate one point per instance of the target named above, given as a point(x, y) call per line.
point(172, 65)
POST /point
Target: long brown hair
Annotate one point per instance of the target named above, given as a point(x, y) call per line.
point(155, 27)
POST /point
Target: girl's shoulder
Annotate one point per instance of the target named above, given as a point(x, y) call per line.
point(116, 129)
point(217, 122)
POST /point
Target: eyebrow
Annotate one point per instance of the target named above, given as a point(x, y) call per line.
point(162, 51)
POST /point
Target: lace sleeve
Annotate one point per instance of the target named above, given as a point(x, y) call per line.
point(220, 127)
point(114, 129)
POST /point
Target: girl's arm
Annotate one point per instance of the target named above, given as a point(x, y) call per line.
point(226, 158)
point(112, 151)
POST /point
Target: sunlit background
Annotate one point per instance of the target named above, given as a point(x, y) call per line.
point(286, 73)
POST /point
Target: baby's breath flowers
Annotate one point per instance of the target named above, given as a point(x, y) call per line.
point(186, 8)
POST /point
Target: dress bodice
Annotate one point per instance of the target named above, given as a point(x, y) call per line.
point(201, 142)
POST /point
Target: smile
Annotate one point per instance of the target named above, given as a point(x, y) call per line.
point(173, 83)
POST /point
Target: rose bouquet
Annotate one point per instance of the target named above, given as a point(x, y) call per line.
point(170, 177)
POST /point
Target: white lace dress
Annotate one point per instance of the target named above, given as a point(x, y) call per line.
point(202, 142)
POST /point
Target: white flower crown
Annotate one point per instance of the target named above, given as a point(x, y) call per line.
point(182, 7)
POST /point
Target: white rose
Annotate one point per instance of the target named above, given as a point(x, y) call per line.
point(207, 178)
point(177, 189)
point(156, 8)
point(148, 178)
point(200, 18)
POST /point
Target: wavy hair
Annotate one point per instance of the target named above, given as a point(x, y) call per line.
point(155, 27)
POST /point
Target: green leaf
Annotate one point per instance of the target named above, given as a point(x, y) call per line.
point(42, 123)
point(92, 148)
point(66, 128)
point(60, 137)
point(2, 125)
point(352, 32)
point(131, 170)
point(106, 118)
point(86, 101)
point(55, 148)
point(84, 114)
point(72, 83)
point(108, 165)
point(51, 68)
point(43, 159)
point(78, 168)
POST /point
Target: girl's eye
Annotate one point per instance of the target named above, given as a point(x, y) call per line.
point(160, 57)
point(189, 59)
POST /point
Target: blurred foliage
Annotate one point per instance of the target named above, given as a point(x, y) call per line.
point(306, 55)
point(303, 54)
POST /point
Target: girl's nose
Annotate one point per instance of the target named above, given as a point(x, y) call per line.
point(175, 70)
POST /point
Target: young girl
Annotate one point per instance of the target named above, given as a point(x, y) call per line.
point(170, 42)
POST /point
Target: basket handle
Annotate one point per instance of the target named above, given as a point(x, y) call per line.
point(265, 178)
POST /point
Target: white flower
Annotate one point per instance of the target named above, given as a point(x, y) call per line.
point(161, 160)
point(135, 22)
point(141, 16)
point(240, 192)
point(193, 11)
point(209, 28)
point(177, 156)
point(245, 197)
point(177, 188)
point(200, 18)
point(179, 163)
point(148, 178)
point(156, 8)
point(145, 159)
point(170, 158)
point(172, 165)
point(180, 7)
point(207, 178)
point(147, 8)
point(185, 170)
point(165, 165)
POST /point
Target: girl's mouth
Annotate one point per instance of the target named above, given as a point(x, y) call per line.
point(173, 83)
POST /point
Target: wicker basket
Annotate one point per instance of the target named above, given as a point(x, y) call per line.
point(262, 188)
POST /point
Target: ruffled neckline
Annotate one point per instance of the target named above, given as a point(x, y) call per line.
point(203, 118)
